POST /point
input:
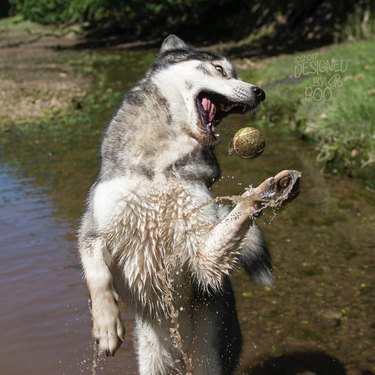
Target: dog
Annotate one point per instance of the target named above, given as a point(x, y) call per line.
point(152, 234)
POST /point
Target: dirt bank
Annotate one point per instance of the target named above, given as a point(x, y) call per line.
point(35, 79)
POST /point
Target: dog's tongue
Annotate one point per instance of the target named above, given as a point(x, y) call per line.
point(209, 108)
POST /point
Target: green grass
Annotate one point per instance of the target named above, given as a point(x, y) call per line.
point(338, 114)
point(18, 23)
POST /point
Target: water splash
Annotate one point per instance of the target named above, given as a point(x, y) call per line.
point(95, 360)
point(173, 314)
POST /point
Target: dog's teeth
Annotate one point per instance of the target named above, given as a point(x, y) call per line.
point(212, 111)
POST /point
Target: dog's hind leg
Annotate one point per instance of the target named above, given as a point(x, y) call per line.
point(153, 357)
point(107, 326)
point(217, 339)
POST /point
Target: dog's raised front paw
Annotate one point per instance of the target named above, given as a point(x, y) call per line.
point(108, 329)
point(275, 190)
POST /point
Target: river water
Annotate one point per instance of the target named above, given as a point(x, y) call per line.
point(317, 319)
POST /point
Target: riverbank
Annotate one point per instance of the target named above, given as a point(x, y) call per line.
point(35, 81)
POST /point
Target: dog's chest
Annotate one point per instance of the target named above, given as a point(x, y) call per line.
point(154, 235)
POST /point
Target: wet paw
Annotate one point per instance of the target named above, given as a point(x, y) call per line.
point(274, 191)
point(108, 329)
point(287, 183)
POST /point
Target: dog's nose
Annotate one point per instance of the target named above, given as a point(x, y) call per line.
point(259, 93)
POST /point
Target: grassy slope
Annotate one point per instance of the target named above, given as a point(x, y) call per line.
point(343, 126)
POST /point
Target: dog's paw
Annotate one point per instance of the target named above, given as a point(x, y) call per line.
point(275, 191)
point(108, 329)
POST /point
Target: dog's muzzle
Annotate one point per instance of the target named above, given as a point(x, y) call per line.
point(213, 107)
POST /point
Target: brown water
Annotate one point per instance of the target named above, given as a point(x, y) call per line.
point(323, 248)
point(44, 316)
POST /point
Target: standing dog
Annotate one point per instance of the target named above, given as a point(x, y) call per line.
point(153, 236)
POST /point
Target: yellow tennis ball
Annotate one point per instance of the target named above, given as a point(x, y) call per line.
point(248, 143)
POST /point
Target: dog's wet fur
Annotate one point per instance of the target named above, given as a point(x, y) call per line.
point(150, 211)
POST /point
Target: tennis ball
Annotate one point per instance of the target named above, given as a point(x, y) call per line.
point(248, 143)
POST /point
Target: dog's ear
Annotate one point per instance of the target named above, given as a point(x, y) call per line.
point(171, 43)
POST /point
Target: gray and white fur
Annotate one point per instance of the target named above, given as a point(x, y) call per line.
point(150, 216)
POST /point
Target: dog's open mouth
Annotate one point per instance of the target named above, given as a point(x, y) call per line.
point(212, 108)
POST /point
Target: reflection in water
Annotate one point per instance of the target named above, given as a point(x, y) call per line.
point(322, 245)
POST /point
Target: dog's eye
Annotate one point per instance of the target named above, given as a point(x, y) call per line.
point(220, 69)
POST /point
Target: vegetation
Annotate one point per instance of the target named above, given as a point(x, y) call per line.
point(318, 20)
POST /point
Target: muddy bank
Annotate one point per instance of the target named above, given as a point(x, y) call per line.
point(35, 79)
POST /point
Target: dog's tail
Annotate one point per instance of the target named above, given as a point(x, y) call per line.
point(255, 257)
